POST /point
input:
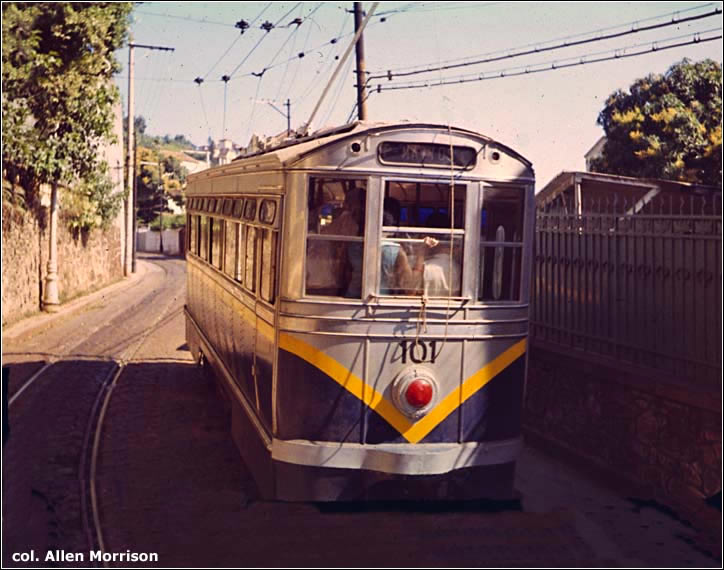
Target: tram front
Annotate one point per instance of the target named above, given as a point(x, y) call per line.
point(404, 316)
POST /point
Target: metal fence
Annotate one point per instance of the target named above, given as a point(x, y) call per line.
point(639, 282)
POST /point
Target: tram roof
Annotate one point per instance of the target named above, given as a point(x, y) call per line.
point(292, 150)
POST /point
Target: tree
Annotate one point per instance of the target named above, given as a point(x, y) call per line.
point(57, 100)
point(158, 178)
point(666, 126)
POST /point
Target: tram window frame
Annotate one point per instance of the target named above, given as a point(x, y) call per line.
point(250, 257)
point(268, 266)
point(502, 271)
point(204, 238)
point(238, 210)
point(407, 275)
point(250, 209)
point(267, 211)
point(231, 249)
point(328, 255)
point(193, 233)
point(217, 243)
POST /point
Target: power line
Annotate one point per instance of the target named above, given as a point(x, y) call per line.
point(259, 15)
point(262, 38)
point(286, 67)
point(555, 65)
point(189, 19)
point(572, 36)
point(536, 50)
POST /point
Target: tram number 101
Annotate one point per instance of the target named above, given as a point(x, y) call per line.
point(419, 351)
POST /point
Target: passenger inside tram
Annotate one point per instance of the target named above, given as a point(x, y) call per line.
point(412, 266)
point(335, 238)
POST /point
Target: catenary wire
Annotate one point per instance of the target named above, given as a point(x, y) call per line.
point(531, 49)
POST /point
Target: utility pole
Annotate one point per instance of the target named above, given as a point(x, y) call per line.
point(360, 56)
point(129, 265)
point(161, 198)
point(288, 114)
point(130, 203)
point(288, 105)
point(225, 79)
point(135, 204)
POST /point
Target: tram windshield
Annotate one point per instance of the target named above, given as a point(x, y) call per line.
point(422, 239)
point(335, 237)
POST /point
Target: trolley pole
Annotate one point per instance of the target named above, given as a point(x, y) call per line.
point(341, 63)
point(129, 258)
point(360, 56)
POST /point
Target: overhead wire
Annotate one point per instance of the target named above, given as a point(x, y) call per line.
point(329, 65)
point(261, 39)
point(286, 67)
point(302, 54)
point(536, 49)
point(256, 19)
point(586, 59)
point(298, 22)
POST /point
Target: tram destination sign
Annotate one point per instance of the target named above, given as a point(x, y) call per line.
point(426, 154)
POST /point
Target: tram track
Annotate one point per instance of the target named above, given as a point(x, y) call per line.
point(108, 361)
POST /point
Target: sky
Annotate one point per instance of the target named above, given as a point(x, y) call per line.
point(548, 114)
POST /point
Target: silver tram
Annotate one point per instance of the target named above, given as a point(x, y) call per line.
point(362, 297)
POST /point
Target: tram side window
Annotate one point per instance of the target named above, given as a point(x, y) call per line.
point(193, 233)
point(501, 244)
point(268, 264)
point(335, 237)
point(422, 239)
point(217, 243)
point(231, 261)
point(204, 241)
point(250, 269)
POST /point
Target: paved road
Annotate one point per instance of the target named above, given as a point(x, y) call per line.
point(160, 474)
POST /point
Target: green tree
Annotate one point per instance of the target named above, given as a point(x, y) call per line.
point(57, 99)
point(158, 179)
point(666, 126)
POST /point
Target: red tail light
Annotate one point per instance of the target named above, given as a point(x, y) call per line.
point(419, 393)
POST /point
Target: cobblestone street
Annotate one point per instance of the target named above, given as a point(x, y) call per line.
point(123, 442)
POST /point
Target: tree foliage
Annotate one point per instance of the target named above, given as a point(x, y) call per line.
point(666, 126)
point(57, 100)
point(158, 179)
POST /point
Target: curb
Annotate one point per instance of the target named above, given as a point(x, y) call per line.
point(43, 320)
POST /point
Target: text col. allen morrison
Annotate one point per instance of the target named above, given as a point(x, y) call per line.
point(92, 556)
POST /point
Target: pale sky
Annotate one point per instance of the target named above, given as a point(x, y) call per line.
point(549, 117)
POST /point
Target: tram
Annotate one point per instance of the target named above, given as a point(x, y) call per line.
point(361, 296)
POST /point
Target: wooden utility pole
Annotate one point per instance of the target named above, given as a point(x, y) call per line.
point(129, 265)
point(360, 55)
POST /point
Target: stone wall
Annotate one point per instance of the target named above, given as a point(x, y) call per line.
point(86, 261)
point(646, 430)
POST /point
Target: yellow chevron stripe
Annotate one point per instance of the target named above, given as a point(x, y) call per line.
point(351, 382)
point(456, 398)
point(412, 432)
